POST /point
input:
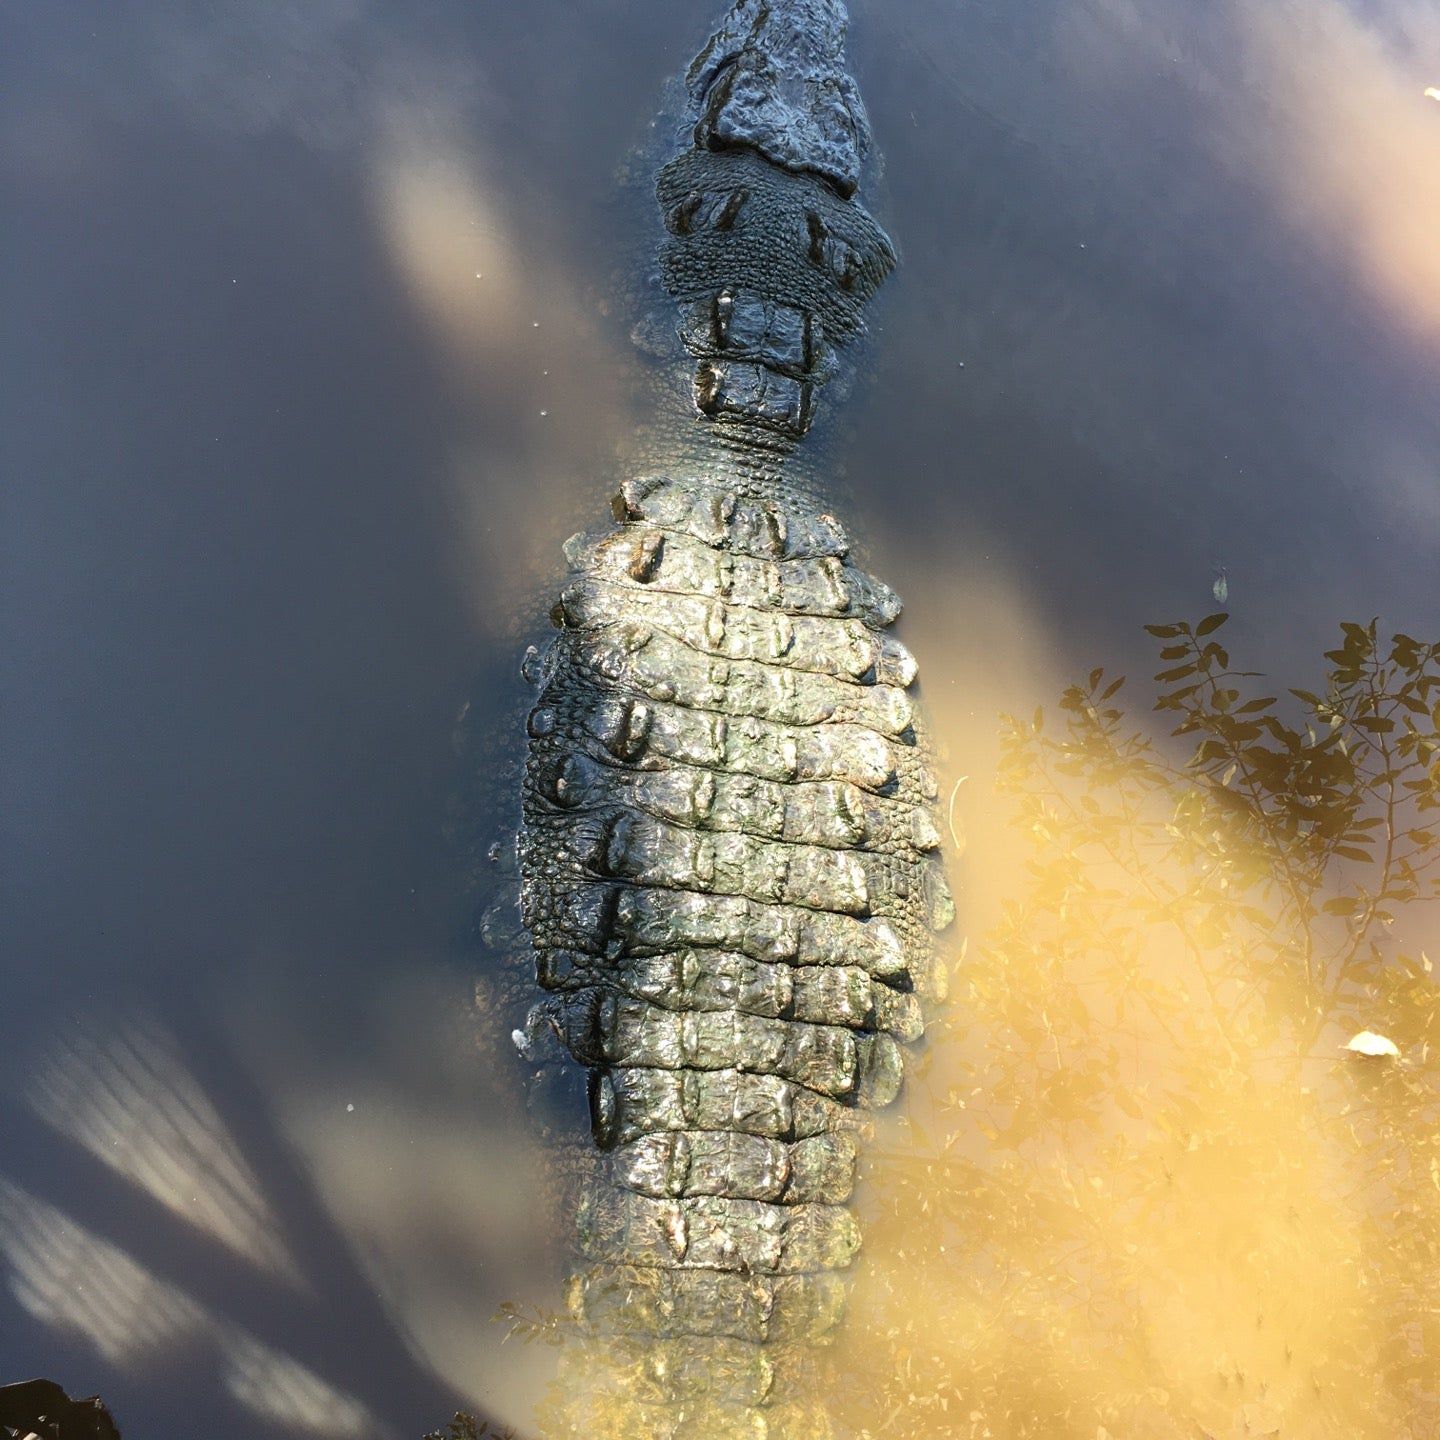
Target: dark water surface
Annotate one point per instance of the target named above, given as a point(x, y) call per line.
point(312, 357)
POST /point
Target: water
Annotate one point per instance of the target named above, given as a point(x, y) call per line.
point(315, 354)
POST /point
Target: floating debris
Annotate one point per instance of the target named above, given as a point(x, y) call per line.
point(1220, 588)
point(1373, 1046)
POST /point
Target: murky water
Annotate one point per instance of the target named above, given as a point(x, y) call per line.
point(315, 351)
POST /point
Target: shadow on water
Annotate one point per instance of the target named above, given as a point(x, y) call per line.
point(313, 362)
point(1168, 1163)
point(252, 614)
point(169, 1244)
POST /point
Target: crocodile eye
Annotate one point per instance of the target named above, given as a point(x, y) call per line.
point(817, 238)
point(730, 210)
point(831, 253)
point(706, 210)
point(680, 219)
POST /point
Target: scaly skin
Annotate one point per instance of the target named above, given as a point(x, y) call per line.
point(729, 863)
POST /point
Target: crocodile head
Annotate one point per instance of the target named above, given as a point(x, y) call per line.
point(768, 253)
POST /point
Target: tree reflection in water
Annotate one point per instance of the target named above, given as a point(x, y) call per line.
point(465, 1426)
point(1149, 1184)
point(1145, 1190)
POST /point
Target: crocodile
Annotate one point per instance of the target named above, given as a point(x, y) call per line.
point(730, 868)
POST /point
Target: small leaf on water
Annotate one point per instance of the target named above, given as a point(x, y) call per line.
point(956, 832)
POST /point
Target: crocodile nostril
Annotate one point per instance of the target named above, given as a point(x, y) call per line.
point(832, 253)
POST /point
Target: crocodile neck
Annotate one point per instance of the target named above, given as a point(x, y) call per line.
point(768, 255)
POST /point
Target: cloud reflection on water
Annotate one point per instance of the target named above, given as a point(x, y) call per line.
point(1319, 103)
point(434, 1178)
point(281, 1390)
point(78, 1283)
point(518, 341)
point(71, 1279)
point(121, 1091)
point(1353, 152)
point(424, 1188)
